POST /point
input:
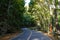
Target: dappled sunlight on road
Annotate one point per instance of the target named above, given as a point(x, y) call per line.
point(35, 39)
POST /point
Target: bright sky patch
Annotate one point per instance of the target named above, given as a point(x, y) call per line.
point(27, 2)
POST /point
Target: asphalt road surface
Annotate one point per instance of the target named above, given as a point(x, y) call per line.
point(30, 35)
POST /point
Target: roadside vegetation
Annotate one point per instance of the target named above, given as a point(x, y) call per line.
point(37, 15)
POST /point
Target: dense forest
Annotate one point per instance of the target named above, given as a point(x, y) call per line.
point(39, 14)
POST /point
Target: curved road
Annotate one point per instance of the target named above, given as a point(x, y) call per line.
point(30, 35)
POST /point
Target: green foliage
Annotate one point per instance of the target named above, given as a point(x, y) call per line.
point(11, 15)
point(28, 20)
point(59, 19)
point(41, 13)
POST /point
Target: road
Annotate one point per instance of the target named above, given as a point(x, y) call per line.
point(31, 35)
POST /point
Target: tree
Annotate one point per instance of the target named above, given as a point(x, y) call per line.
point(41, 13)
point(11, 15)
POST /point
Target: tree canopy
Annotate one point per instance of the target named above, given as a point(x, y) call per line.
point(14, 15)
point(11, 15)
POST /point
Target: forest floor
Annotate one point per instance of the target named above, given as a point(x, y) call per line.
point(8, 36)
point(52, 36)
